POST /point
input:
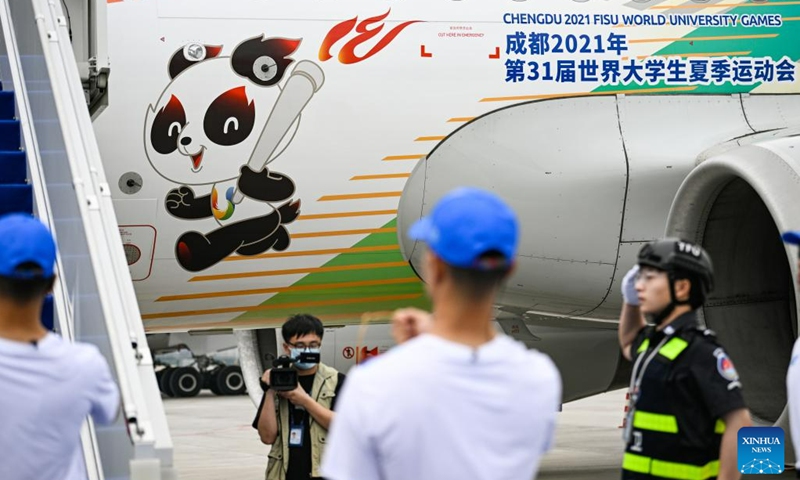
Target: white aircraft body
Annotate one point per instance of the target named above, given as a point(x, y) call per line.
point(268, 157)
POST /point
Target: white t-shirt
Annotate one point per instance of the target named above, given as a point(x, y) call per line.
point(793, 391)
point(434, 409)
point(46, 392)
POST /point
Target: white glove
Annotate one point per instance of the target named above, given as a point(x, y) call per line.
point(629, 287)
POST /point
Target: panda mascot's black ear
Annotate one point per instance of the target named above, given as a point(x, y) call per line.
point(189, 55)
point(263, 60)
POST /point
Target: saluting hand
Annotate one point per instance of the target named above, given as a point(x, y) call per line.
point(629, 293)
point(407, 323)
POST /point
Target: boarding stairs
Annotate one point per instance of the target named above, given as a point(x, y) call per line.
point(50, 167)
point(15, 192)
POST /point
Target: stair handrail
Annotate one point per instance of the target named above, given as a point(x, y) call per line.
point(133, 325)
point(96, 242)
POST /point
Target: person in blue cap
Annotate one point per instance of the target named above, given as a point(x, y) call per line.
point(48, 385)
point(455, 399)
point(793, 373)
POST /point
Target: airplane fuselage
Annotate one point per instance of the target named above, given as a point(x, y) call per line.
point(268, 156)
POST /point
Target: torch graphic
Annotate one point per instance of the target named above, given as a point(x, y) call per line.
point(305, 80)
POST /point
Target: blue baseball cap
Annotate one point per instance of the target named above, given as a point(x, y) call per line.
point(24, 239)
point(467, 223)
point(792, 237)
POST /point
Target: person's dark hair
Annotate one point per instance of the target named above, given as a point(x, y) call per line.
point(301, 324)
point(27, 290)
point(697, 294)
point(477, 283)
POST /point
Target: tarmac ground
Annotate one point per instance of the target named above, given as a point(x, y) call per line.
point(214, 440)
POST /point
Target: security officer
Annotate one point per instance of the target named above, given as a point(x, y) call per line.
point(686, 405)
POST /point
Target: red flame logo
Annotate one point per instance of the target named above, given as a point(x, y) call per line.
point(347, 54)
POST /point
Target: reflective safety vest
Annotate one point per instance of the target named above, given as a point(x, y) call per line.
point(663, 441)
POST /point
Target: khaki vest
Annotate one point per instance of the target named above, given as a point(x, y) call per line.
point(322, 391)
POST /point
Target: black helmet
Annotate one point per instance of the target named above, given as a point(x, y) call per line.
point(680, 259)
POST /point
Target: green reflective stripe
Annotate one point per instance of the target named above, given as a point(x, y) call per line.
point(677, 471)
point(655, 421)
point(719, 427)
point(684, 471)
point(673, 348)
point(636, 463)
point(643, 346)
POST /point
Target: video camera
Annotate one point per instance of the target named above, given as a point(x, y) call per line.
point(282, 377)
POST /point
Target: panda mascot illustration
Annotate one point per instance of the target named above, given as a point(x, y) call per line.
point(216, 126)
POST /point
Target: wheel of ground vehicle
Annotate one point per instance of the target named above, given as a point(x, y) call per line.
point(164, 383)
point(186, 382)
point(212, 377)
point(230, 381)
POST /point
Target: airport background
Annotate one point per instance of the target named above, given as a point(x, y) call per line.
point(588, 444)
point(214, 439)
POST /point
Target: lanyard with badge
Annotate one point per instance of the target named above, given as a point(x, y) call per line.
point(296, 426)
point(639, 369)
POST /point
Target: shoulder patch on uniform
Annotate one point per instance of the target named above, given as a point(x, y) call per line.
point(725, 366)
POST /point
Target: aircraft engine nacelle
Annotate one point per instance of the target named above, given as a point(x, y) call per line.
point(736, 204)
point(564, 174)
point(591, 178)
point(594, 178)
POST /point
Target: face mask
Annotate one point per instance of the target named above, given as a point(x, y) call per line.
point(295, 353)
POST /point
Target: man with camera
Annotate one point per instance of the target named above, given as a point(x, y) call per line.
point(297, 407)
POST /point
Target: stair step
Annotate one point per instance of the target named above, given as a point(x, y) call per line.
point(16, 198)
point(13, 168)
point(9, 135)
point(7, 110)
